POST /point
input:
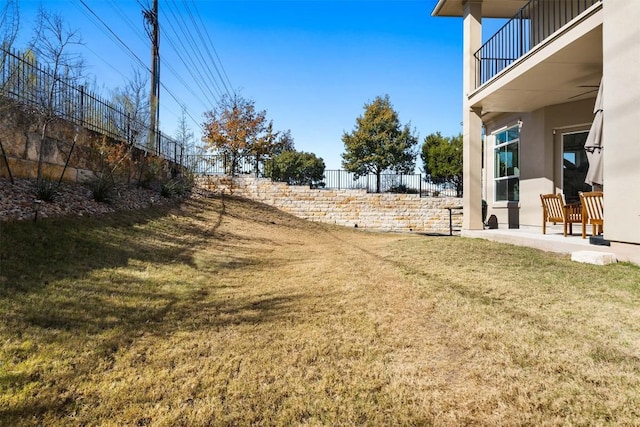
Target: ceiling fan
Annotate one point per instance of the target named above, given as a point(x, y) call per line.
point(589, 91)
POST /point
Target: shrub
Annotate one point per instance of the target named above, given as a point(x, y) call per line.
point(103, 190)
point(46, 189)
point(151, 172)
point(402, 189)
point(177, 187)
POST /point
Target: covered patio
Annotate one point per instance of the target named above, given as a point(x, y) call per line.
point(554, 241)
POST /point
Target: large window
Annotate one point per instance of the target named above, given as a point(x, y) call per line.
point(507, 165)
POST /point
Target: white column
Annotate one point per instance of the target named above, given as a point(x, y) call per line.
point(621, 113)
point(472, 125)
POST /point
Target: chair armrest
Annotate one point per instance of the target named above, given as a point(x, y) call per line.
point(573, 211)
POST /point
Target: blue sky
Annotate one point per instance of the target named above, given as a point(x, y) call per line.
point(312, 64)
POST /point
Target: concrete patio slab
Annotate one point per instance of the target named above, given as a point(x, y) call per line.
point(554, 241)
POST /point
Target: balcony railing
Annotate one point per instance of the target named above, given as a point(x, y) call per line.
point(536, 21)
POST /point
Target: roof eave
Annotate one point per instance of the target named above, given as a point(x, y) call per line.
point(438, 10)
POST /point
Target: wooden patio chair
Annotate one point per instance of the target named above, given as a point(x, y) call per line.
point(555, 210)
point(592, 208)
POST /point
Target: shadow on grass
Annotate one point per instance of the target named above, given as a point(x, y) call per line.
point(78, 291)
point(34, 254)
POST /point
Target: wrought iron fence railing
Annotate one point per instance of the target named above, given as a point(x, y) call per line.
point(45, 93)
point(219, 164)
point(389, 183)
point(533, 23)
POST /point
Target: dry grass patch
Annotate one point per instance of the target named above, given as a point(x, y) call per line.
point(226, 312)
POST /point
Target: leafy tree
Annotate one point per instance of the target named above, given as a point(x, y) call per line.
point(442, 159)
point(232, 127)
point(270, 143)
point(379, 143)
point(285, 143)
point(296, 168)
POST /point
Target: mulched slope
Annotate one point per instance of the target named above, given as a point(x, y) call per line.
point(17, 201)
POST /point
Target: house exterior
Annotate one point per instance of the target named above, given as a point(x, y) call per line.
point(528, 101)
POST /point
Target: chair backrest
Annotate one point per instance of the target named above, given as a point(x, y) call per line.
point(592, 203)
point(553, 206)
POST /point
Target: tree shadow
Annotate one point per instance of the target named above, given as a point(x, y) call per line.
point(82, 282)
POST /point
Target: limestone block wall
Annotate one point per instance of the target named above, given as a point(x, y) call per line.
point(20, 139)
point(388, 212)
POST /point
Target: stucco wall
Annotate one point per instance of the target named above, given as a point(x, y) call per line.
point(388, 212)
point(621, 98)
point(540, 156)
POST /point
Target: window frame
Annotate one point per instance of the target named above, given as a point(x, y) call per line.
point(515, 173)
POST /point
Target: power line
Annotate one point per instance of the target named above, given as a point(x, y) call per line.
point(113, 35)
point(209, 39)
point(194, 54)
point(189, 62)
point(126, 19)
point(191, 43)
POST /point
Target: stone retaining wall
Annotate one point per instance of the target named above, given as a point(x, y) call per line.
point(91, 154)
point(388, 212)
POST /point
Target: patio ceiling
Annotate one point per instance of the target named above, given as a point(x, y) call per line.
point(490, 8)
point(560, 72)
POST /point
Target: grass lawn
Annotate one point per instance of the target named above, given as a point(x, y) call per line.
point(227, 312)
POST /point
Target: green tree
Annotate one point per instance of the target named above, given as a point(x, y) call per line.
point(296, 168)
point(270, 143)
point(379, 142)
point(442, 159)
point(232, 127)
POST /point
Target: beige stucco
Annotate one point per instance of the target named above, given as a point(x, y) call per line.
point(540, 155)
point(621, 97)
point(550, 91)
point(471, 124)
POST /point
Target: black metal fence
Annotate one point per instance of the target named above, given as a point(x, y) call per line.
point(47, 93)
point(389, 183)
point(219, 164)
point(536, 21)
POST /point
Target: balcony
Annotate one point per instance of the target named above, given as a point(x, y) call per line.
point(533, 24)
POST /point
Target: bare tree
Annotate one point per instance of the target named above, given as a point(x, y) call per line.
point(130, 118)
point(132, 101)
point(184, 134)
point(52, 43)
point(9, 24)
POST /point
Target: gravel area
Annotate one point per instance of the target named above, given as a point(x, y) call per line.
point(17, 201)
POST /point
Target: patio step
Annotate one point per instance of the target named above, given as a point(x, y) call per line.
point(594, 257)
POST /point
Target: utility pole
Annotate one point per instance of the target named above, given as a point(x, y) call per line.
point(153, 31)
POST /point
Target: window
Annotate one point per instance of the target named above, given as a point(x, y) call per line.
point(507, 165)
